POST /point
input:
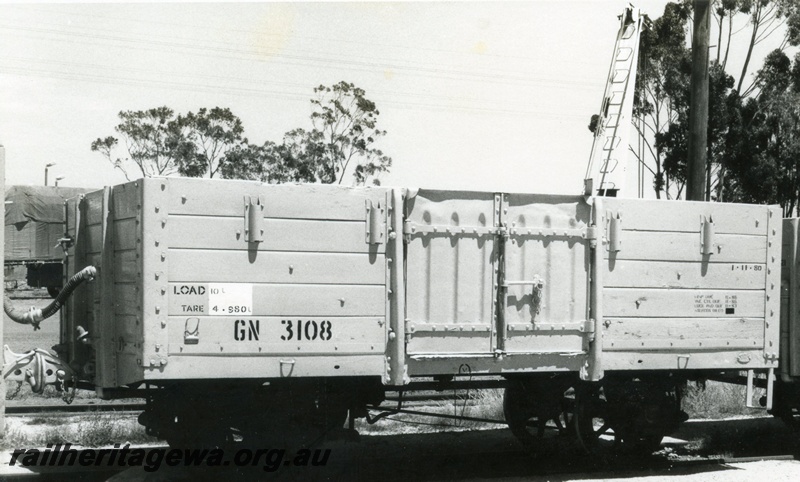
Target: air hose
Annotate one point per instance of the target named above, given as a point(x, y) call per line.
point(35, 315)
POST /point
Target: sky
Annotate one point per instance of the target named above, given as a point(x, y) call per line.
point(492, 96)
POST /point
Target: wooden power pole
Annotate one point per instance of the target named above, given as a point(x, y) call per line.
point(698, 109)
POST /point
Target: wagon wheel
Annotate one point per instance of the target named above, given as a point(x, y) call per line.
point(785, 405)
point(791, 417)
point(592, 425)
point(194, 429)
point(642, 443)
point(531, 416)
point(188, 423)
point(643, 433)
point(631, 424)
point(302, 423)
point(206, 436)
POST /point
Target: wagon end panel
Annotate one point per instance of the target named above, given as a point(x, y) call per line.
point(690, 285)
point(93, 318)
point(124, 297)
point(76, 309)
point(265, 281)
point(101, 326)
point(790, 300)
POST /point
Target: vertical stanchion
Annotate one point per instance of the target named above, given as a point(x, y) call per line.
point(595, 359)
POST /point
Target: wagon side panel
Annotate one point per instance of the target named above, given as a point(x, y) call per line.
point(690, 285)
point(260, 281)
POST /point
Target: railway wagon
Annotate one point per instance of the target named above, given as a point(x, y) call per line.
point(787, 388)
point(241, 309)
point(34, 226)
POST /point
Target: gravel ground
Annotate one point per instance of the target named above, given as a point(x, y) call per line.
point(767, 470)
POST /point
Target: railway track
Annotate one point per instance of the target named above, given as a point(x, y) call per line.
point(72, 409)
point(20, 410)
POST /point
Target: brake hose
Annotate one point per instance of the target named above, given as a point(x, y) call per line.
point(35, 315)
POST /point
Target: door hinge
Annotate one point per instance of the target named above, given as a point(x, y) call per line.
point(253, 219)
point(707, 232)
point(375, 224)
point(614, 232)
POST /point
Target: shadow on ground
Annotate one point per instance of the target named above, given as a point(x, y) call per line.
point(698, 448)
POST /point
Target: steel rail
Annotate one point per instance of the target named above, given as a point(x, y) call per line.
point(73, 409)
point(135, 407)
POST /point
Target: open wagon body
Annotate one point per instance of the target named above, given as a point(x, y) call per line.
point(202, 282)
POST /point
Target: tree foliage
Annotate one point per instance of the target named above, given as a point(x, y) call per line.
point(752, 128)
point(345, 125)
point(674, 142)
point(764, 141)
point(661, 76)
point(295, 159)
point(155, 141)
point(762, 19)
point(340, 143)
point(217, 138)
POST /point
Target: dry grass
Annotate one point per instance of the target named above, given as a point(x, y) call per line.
point(93, 430)
point(718, 400)
point(485, 404)
point(45, 420)
point(21, 392)
point(104, 429)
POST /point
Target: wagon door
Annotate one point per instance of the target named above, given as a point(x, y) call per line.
point(544, 274)
point(450, 273)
